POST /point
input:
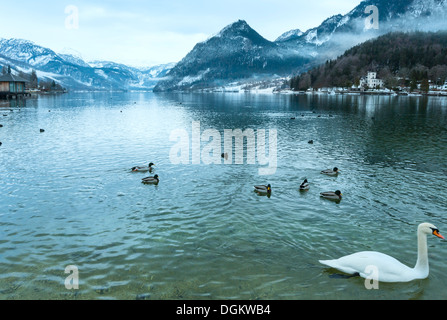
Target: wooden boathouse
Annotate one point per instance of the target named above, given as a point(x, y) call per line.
point(12, 87)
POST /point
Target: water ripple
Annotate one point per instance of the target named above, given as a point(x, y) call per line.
point(68, 197)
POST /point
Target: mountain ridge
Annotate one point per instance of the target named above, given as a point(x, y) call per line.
point(237, 53)
point(73, 72)
point(297, 52)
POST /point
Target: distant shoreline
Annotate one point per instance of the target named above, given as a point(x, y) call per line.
point(330, 93)
point(376, 93)
point(256, 91)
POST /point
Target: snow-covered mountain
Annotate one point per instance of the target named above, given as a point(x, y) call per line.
point(26, 51)
point(72, 72)
point(136, 78)
point(73, 56)
point(292, 34)
point(341, 32)
point(238, 52)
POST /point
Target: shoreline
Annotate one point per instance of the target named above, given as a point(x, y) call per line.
point(254, 91)
point(330, 93)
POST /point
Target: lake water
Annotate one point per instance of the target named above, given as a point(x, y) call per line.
point(68, 197)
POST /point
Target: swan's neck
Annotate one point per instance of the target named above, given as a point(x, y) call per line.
point(422, 262)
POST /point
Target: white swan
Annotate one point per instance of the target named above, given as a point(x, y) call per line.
point(389, 269)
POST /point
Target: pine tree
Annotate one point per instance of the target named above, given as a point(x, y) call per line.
point(425, 86)
point(413, 85)
point(33, 80)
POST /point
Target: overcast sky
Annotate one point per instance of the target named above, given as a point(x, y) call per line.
point(147, 32)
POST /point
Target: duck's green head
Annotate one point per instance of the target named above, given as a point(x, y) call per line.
point(269, 188)
point(151, 164)
point(338, 193)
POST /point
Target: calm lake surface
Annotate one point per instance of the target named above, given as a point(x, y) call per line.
point(68, 196)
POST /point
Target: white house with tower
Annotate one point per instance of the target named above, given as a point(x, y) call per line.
point(371, 81)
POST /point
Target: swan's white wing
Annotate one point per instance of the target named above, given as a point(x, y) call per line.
point(388, 268)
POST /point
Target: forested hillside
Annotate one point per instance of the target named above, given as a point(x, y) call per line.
point(398, 58)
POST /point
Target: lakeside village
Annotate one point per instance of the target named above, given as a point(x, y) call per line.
point(372, 85)
point(22, 85)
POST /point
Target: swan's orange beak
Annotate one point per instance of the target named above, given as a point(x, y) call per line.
point(436, 233)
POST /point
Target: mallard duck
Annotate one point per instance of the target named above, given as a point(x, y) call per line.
point(151, 180)
point(337, 195)
point(389, 269)
point(264, 189)
point(304, 186)
point(330, 172)
point(144, 169)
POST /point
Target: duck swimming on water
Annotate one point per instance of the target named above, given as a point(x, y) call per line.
point(151, 180)
point(264, 190)
point(337, 195)
point(304, 186)
point(144, 169)
point(330, 172)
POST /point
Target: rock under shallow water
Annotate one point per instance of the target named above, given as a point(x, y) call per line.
point(144, 296)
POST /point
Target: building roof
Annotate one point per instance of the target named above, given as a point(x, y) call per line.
point(9, 77)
